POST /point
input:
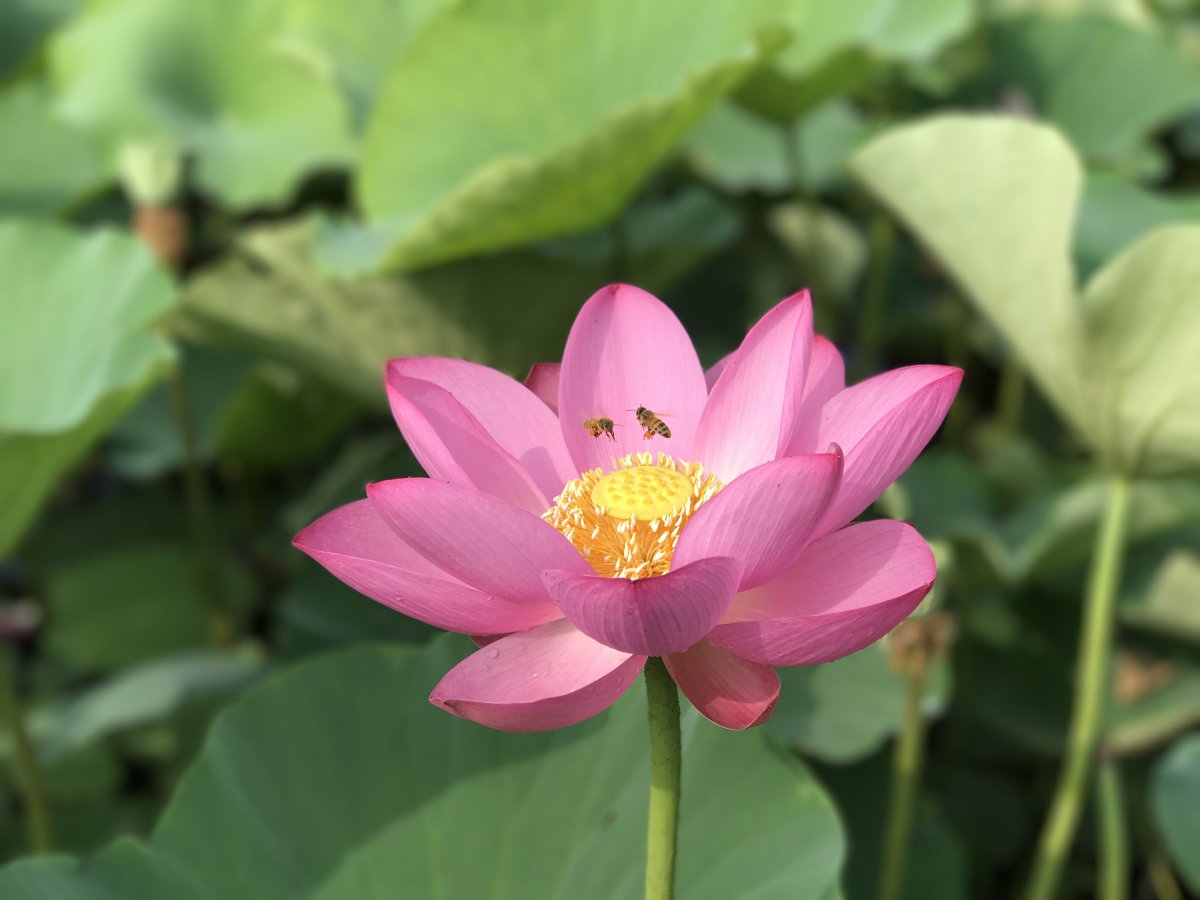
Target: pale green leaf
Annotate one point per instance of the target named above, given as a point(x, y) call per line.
point(509, 122)
point(217, 77)
point(355, 48)
point(76, 322)
point(1143, 344)
point(76, 348)
point(43, 164)
point(995, 200)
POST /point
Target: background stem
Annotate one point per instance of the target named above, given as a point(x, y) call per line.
point(200, 518)
point(872, 314)
point(1092, 677)
point(666, 757)
point(906, 772)
point(1113, 833)
point(29, 778)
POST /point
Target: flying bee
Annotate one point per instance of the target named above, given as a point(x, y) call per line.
point(600, 425)
point(651, 424)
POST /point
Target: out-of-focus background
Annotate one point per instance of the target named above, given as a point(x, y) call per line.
point(218, 219)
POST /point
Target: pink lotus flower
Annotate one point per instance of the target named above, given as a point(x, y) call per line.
point(725, 549)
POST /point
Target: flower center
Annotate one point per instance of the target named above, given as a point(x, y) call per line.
point(626, 522)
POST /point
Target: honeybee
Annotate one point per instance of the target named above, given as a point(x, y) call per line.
point(600, 425)
point(651, 424)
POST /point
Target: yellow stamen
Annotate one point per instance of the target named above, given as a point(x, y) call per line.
point(626, 523)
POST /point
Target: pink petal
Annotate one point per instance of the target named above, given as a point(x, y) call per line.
point(751, 411)
point(549, 677)
point(507, 410)
point(713, 372)
point(451, 445)
point(626, 349)
point(542, 380)
point(826, 377)
point(357, 547)
point(765, 518)
point(727, 690)
point(488, 543)
point(846, 591)
point(652, 616)
point(881, 425)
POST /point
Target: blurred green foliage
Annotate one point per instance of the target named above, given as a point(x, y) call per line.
point(1010, 186)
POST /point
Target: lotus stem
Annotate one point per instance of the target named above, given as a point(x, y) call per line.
point(1092, 671)
point(906, 773)
point(666, 758)
point(1113, 832)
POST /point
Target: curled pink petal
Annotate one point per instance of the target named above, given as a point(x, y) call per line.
point(548, 677)
point(451, 445)
point(514, 417)
point(542, 381)
point(881, 425)
point(651, 616)
point(480, 539)
point(726, 689)
point(713, 372)
point(627, 349)
point(751, 410)
point(826, 378)
point(355, 544)
point(765, 518)
point(845, 591)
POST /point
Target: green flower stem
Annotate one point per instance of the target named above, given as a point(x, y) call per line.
point(1113, 832)
point(906, 773)
point(29, 777)
point(200, 518)
point(1091, 691)
point(666, 758)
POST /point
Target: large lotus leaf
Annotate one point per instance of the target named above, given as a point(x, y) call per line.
point(507, 122)
point(356, 47)
point(77, 318)
point(76, 347)
point(1168, 603)
point(23, 26)
point(838, 45)
point(1076, 73)
point(1143, 344)
point(843, 711)
point(995, 200)
point(1175, 800)
point(1056, 529)
point(1116, 212)
point(43, 164)
point(31, 464)
point(269, 298)
point(125, 605)
point(211, 76)
point(141, 694)
point(311, 787)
